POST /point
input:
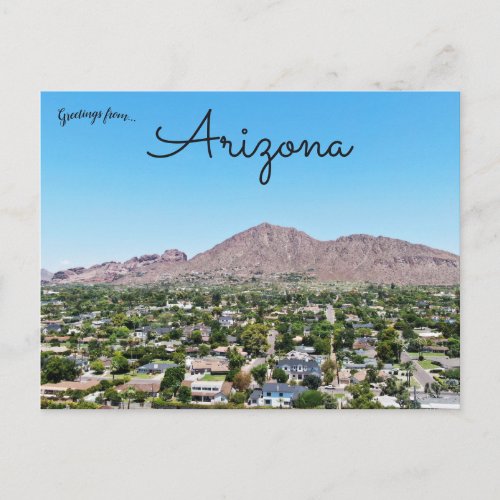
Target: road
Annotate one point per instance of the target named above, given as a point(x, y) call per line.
point(420, 374)
point(255, 362)
point(330, 314)
point(271, 339)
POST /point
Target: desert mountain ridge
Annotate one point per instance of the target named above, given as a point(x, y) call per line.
point(267, 250)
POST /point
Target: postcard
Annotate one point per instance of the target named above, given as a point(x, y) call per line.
point(250, 250)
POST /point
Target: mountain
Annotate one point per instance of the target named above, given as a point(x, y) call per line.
point(46, 275)
point(130, 271)
point(267, 249)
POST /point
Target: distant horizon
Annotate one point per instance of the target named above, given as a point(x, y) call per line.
point(103, 198)
point(123, 259)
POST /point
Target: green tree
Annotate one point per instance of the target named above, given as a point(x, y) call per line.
point(280, 375)
point(372, 375)
point(238, 398)
point(362, 397)
point(172, 378)
point(435, 389)
point(328, 368)
point(309, 399)
point(58, 368)
point(204, 350)
point(184, 395)
point(236, 360)
point(129, 395)
point(254, 338)
point(179, 358)
point(329, 401)
point(216, 298)
point(311, 381)
point(140, 397)
point(97, 366)
point(112, 395)
point(119, 364)
point(75, 394)
point(259, 373)
point(196, 337)
point(409, 368)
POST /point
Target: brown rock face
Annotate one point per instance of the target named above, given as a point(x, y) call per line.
point(269, 250)
point(173, 256)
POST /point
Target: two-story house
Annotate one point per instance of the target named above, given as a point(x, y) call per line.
point(297, 369)
point(209, 391)
point(275, 395)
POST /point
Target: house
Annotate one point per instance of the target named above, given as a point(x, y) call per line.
point(426, 333)
point(204, 391)
point(297, 369)
point(55, 349)
point(358, 377)
point(275, 395)
point(80, 362)
point(163, 330)
point(141, 334)
point(107, 362)
point(344, 377)
point(209, 365)
point(52, 328)
point(298, 355)
point(349, 365)
point(435, 348)
point(87, 340)
point(226, 321)
point(153, 388)
point(205, 331)
point(364, 343)
point(362, 325)
point(61, 387)
point(351, 318)
point(63, 338)
point(388, 401)
point(305, 349)
point(222, 351)
point(155, 368)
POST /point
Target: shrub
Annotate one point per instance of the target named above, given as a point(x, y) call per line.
point(238, 398)
point(309, 399)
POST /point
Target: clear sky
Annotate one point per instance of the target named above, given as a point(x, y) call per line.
point(104, 198)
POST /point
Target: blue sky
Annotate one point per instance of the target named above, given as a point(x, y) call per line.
point(104, 198)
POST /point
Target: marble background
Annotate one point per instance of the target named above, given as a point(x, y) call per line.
point(258, 45)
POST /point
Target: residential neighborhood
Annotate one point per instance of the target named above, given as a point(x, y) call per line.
point(289, 344)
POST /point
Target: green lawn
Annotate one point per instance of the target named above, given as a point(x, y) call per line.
point(427, 365)
point(213, 378)
point(141, 375)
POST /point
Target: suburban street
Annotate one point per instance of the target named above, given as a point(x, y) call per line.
point(420, 374)
point(330, 316)
point(255, 362)
point(271, 338)
point(330, 313)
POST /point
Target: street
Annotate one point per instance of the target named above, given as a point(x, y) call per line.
point(271, 338)
point(420, 374)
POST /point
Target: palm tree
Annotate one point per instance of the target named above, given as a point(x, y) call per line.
point(129, 394)
point(408, 366)
point(340, 359)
